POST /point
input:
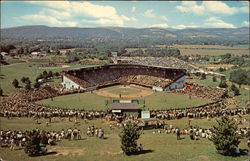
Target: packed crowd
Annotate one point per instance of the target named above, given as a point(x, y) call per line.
point(195, 133)
point(171, 62)
point(22, 105)
point(202, 92)
point(105, 75)
point(210, 110)
point(18, 138)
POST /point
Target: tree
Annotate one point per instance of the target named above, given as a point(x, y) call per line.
point(129, 136)
point(50, 74)
point(223, 84)
point(25, 80)
point(214, 79)
point(240, 77)
point(233, 87)
point(203, 76)
point(37, 85)
point(28, 86)
point(225, 137)
point(45, 74)
point(236, 92)
point(32, 146)
point(15, 83)
point(1, 92)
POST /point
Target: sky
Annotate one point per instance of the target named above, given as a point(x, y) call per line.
point(139, 14)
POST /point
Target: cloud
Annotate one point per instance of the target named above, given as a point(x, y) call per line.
point(164, 25)
point(164, 18)
point(55, 13)
point(210, 7)
point(86, 11)
point(192, 7)
point(245, 23)
point(219, 7)
point(133, 9)
point(216, 22)
point(149, 13)
point(53, 4)
point(38, 19)
point(184, 26)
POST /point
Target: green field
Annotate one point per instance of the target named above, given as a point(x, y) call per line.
point(212, 50)
point(19, 70)
point(160, 147)
point(163, 100)
point(92, 101)
point(243, 98)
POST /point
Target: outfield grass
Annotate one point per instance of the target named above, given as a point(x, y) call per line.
point(92, 101)
point(161, 146)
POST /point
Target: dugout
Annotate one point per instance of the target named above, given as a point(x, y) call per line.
point(126, 108)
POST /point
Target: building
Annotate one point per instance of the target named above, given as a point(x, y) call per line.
point(126, 108)
point(155, 77)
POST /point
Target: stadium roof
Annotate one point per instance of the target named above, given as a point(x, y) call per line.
point(122, 64)
point(125, 106)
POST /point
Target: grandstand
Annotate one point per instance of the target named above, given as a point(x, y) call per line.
point(154, 77)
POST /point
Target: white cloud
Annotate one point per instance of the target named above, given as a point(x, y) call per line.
point(98, 14)
point(192, 7)
point(149, 13)
point(127, 18)
point(104, 21)
point(164, 25)
point(133, 9)
point(219, 7)
point(53, 4)
point(212, 7)
point(184, 26)
point(216, 22)
point(38, 18)
point(164, 18)
point(245, 23)
point(244, 9)
point(55, 13)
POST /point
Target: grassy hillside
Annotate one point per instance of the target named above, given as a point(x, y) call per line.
point(159, 146)
point(19, 70)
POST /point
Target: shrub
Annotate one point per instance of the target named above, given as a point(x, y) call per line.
point(129, 136)
point(15, 83)
point(225, 137)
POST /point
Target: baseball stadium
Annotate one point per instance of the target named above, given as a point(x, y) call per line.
point(156, 94)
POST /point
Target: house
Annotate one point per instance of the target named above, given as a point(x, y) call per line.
point(4, 53)
point(113, 54)
point(38, 53)
point(126, 108)
point(13, 52)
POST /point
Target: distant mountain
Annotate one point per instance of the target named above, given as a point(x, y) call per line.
point(45, 32)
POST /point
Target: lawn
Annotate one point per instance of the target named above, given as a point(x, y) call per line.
point(87, 101)
point(19, 70)
point(159, 146)
point(211, 50)
point(92, 101)
point(243, 98)
point(164, 100)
